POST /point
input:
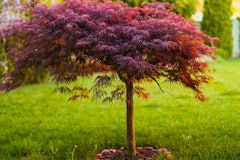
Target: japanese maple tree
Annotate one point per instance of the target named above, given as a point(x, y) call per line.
point(78, 38)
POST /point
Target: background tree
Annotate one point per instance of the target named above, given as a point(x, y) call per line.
point(135, 44)
point(217, 22)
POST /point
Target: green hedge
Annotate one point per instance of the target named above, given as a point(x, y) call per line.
point(217, 23)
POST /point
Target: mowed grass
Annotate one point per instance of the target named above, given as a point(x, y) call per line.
point(36, 123)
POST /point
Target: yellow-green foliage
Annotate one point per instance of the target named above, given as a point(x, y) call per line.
point(217, 23)
point(186, 7)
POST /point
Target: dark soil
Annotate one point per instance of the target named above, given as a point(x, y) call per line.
point(143, 153)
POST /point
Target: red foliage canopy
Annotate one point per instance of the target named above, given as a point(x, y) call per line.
point(147, 42)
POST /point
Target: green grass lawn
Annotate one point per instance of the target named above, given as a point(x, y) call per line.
point(36, 123)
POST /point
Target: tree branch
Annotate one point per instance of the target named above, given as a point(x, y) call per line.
point(122, 78)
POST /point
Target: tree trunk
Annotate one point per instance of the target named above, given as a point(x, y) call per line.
point(131, 142)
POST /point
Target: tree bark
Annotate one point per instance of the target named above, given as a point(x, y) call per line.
point(131, 142)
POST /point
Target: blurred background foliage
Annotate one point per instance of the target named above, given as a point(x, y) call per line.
point(185, 7)
point(10, 12)
point(217, 23)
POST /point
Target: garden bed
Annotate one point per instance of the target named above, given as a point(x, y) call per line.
point(143, 153)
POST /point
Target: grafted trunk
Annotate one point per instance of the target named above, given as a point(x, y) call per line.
point(131, 142)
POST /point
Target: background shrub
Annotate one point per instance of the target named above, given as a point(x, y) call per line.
point(222, 53)
point(217, 23)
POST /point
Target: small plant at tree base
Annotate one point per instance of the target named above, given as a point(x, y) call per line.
point(79, 38)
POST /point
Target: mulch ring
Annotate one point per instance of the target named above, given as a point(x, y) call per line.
point(143, 153)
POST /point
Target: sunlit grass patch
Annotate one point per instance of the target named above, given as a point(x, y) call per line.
point(36, 123)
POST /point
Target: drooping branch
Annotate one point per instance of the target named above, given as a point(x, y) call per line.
point(154, 79)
